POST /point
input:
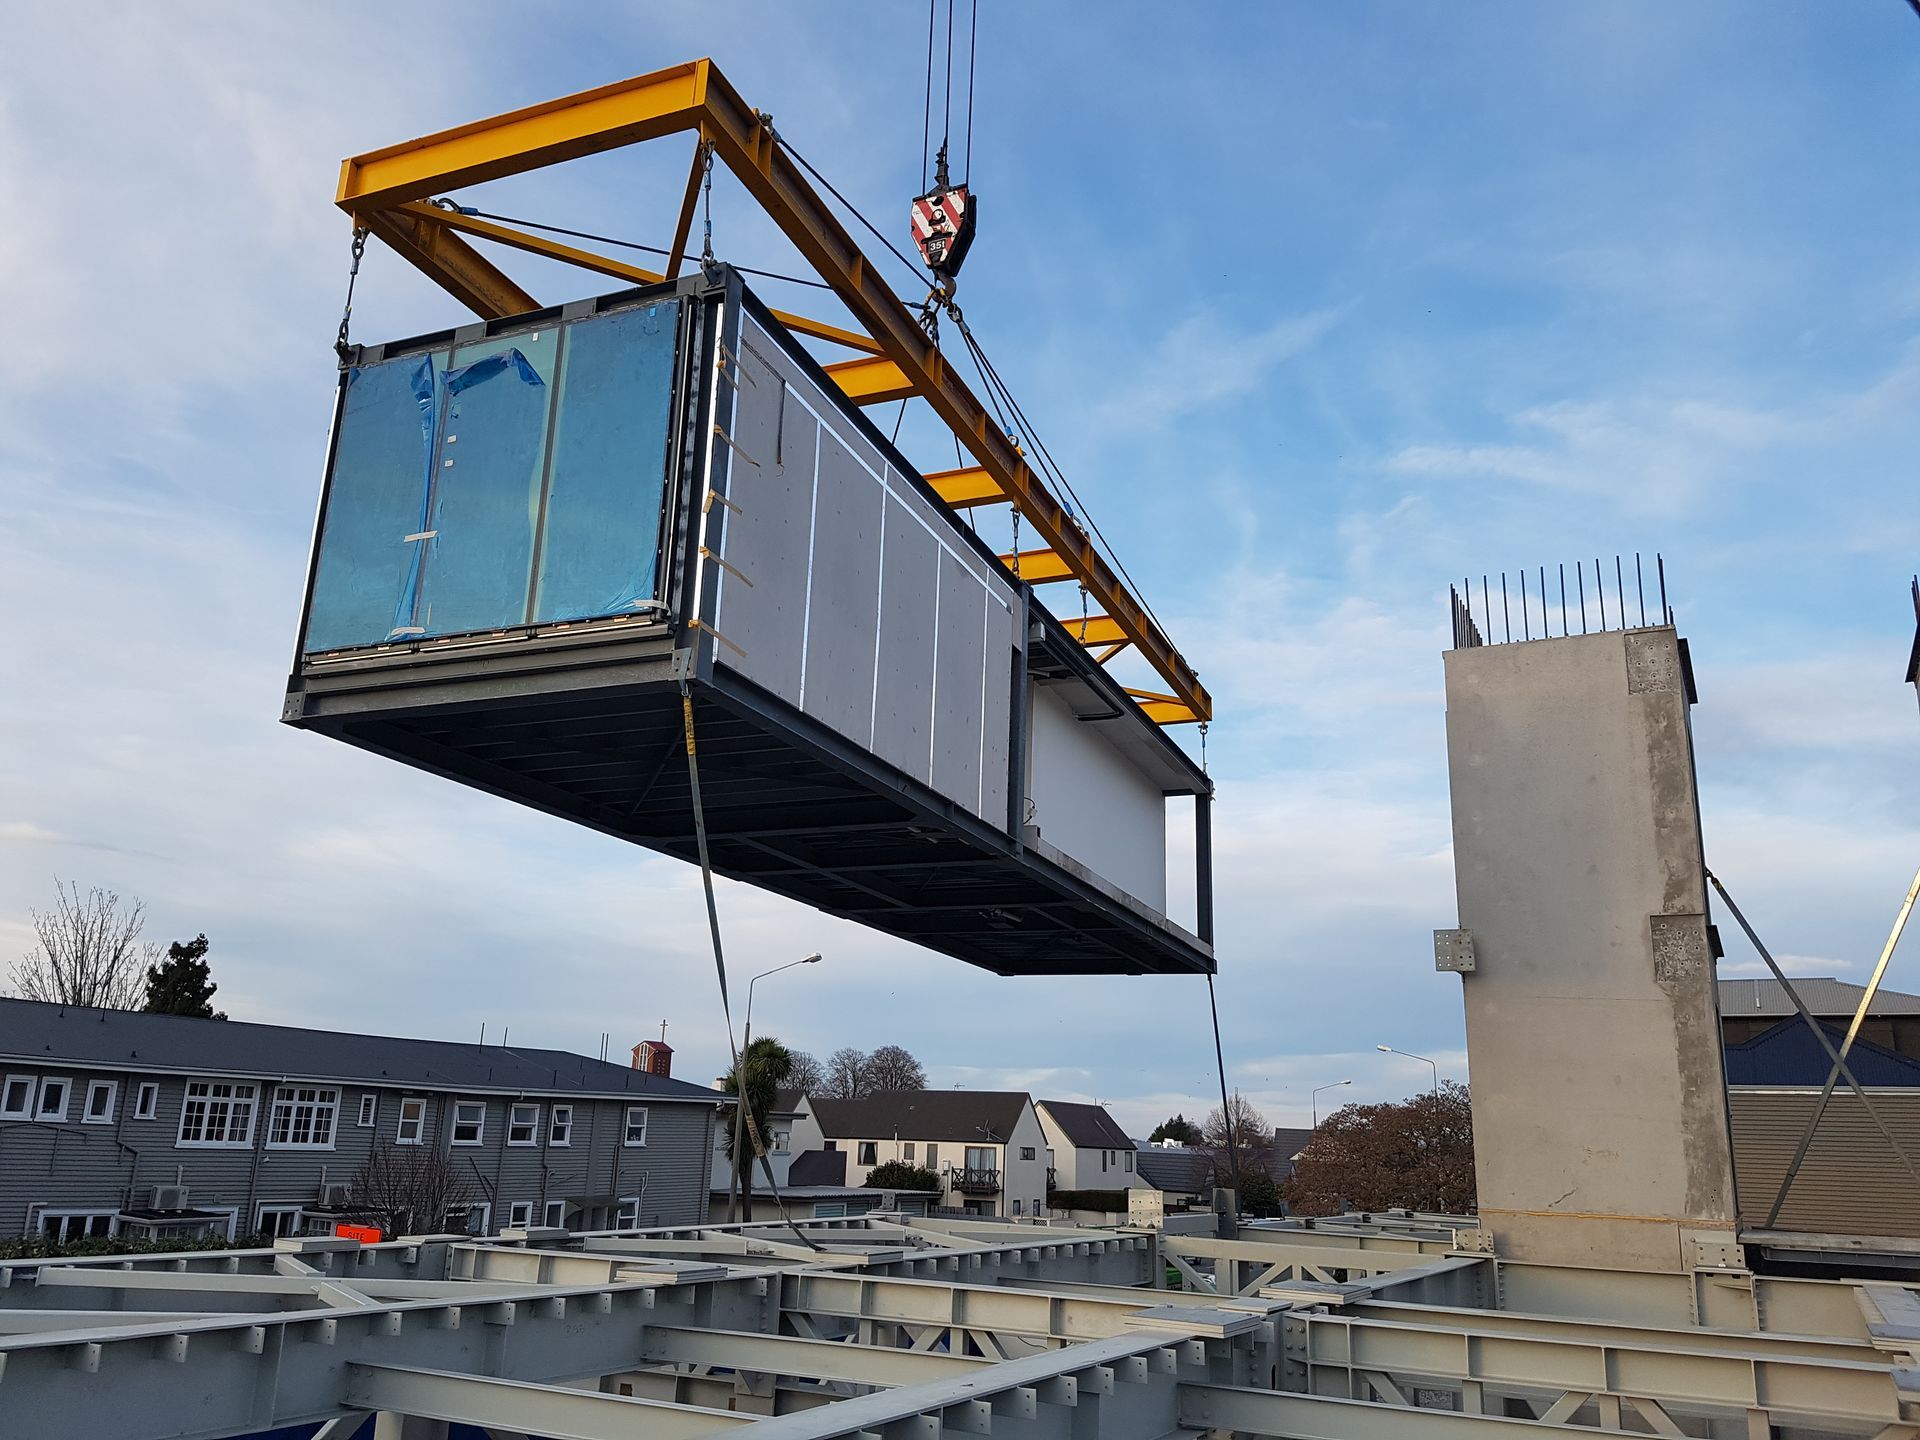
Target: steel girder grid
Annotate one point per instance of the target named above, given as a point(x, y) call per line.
point(926, 1329)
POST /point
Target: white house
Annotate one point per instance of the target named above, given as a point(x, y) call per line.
point(987, 1146)
point(1090, 1150)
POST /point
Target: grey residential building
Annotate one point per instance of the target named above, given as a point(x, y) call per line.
point(117, 1122)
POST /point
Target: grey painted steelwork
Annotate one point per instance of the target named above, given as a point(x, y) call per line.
point(898, 1328)
point(865, 678)
point(110, 1173)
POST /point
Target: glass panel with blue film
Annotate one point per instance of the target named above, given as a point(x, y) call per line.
point(515, 482)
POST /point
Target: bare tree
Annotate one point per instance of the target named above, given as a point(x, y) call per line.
point(807, 1075)
point(892, 1068)
point(408, 1189)
point(1249, 1130)
point(846, 1075)
point(90, 951)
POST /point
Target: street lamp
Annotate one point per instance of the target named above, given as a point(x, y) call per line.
point(740, 1078)
point(1389, 1050)
point(1332, 1085)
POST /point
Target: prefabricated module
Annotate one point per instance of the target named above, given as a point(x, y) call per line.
point(557, 543)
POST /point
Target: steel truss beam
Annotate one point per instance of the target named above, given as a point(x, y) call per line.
point(384, 190)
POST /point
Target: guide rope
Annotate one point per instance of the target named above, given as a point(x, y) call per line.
point(720, 967)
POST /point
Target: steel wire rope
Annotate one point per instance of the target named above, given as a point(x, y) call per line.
point(720, 967)
point(973, 42)
point(919, 272)
point(926, 109)
point(623, 244)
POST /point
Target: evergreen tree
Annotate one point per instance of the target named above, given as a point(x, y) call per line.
point(180, 985)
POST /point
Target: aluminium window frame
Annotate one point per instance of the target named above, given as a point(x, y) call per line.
point(23, 1111)
point(369, 1115)
point(288, 1097)
point(560, 1127)
point(457, 1124)
point(626, 1130)
point(234, 1101)
point(520, 1215)
point(418, 1104)
point(146, 1101)
point(532, 1127)
point(111, 1088)
point(41, 1114)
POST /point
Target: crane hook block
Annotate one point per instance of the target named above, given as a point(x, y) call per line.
point(943, 221)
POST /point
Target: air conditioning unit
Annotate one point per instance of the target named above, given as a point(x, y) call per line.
point(335, 1194)
point(168, 1197)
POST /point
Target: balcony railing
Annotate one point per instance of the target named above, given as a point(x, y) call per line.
point(974, 1182)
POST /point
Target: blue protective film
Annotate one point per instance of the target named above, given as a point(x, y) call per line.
point(377, 498)
point(486, 486)
point(600, 551)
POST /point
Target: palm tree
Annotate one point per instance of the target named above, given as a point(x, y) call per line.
point(766, 1063)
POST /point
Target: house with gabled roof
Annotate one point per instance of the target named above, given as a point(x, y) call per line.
point(987, 1146)
point(1090, 1150)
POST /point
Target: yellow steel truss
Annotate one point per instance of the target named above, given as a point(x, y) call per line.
point(388, 191)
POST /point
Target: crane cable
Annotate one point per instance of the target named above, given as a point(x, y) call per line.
point(928, 171)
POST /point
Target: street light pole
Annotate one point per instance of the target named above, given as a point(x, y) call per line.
point(740, 1084)
point(1389, 1050)
point(1332, 1085)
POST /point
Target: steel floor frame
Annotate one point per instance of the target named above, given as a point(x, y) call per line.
point(893, 1327)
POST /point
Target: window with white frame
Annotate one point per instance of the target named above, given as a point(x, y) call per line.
point(555, 1213)
point(100, 1098)
point(218, 1112)
point(303, 1117)
point(636, 1131)
point(469, 1219)
point(1126, 1158)
point(16, 1099)
point(278, 1220)
point(369, 1108)
point(69, 1225)
point(147, 1100)
point(781, 1141)
point(523, 1124)
point(413, 1120)
point(520, 1214)
point(54, 1091)
point(469, 1122)
point(627, 1217)
point(868, 1154)
point(560, 1126)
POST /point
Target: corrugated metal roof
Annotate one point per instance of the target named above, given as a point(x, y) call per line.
point(1089, 1127)
point(963, 1115)
point(134, 1040)
point(1821, 994)
point(1851, 1182)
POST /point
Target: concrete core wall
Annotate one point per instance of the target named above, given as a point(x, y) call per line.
point(1599, 1099)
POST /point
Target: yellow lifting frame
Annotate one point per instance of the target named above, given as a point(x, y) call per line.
point(386, 190)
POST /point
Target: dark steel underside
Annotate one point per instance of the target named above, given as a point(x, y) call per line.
point(593, 733)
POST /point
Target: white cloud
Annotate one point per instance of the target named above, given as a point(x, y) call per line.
point(1204, 361)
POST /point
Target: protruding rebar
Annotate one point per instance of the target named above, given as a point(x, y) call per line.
point(1640, 585)
point(1580, 579)
point(1600, 588)
point(1506, 615)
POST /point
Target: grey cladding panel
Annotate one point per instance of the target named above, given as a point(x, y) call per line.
point(846, 589)
point(998, 750)
point(956, 732)
point(767, 540)
point(903, 697)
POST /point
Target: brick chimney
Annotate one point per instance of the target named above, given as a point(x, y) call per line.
point(655, 1057)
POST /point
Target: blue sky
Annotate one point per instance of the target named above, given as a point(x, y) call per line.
point(1320, 305)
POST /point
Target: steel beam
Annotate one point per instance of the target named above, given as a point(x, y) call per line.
point(814, 1359)
point(547, 1410)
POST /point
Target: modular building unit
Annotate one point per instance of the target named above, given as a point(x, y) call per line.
point(536, 534)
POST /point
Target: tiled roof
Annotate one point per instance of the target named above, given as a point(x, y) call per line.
point(1089, 1127)
point(974, 1117)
